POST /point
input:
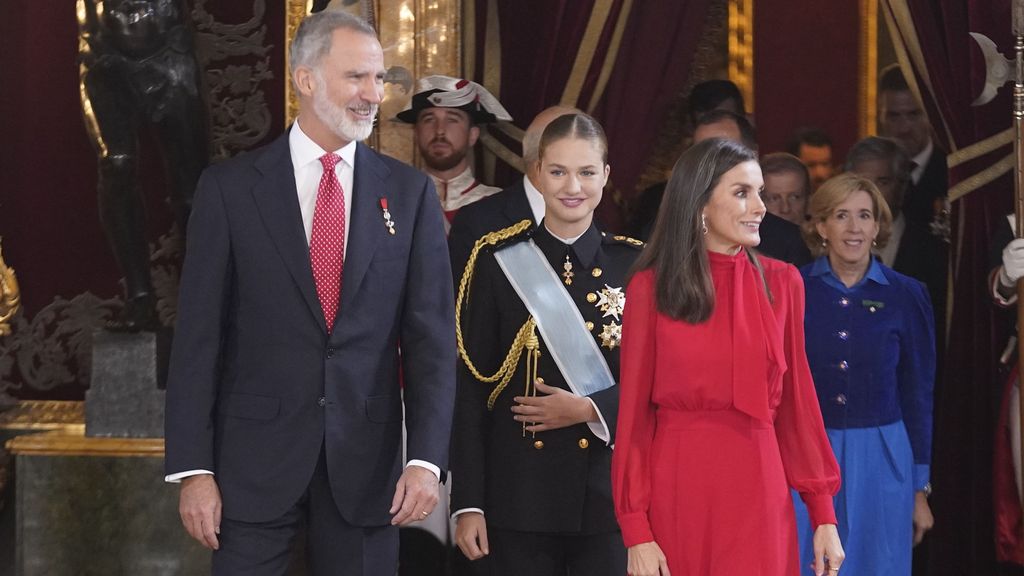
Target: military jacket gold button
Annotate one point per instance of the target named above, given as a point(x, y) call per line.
point(591, 297)
point(584, 443)
point(538, 444)
point(590, 325)
point(596, 272)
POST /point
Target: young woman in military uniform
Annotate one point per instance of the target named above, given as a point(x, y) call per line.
point(539, 326)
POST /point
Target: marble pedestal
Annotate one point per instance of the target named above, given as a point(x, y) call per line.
point(125, 398)
point(97, 506)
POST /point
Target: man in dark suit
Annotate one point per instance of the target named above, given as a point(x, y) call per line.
point(308, 260)
point(902, 119)
point(518, 202)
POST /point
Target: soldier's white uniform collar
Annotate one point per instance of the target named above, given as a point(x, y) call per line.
point(462, 190)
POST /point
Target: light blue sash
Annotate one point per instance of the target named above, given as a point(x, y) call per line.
point(561, 325)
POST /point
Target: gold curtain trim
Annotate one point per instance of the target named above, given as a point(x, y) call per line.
point(612, 56)
point(982, 178)
point(868, 67)
point(501, 151)
point(585, 53)
point(510, 129)
point(469, 39)
point(492, 51)
point(901, 27)
point(980, 148)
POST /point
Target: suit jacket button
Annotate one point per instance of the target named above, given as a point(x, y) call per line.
point(330, 351)
point(321, 401)
point(538, 444)
point(584, 443)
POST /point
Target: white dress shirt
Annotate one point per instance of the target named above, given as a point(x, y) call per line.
point(535, 198)
point(308, 172)
point(921, 160)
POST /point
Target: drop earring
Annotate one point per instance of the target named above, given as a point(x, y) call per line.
point(703, 225)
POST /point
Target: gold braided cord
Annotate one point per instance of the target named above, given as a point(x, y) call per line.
point(504, 373)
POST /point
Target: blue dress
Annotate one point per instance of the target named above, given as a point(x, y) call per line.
point(871, 349)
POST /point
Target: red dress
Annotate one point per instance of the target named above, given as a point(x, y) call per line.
point(716, 421)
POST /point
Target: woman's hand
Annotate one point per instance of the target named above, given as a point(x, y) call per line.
point(558, 408)
point(646, 559)
point(923, 519)
point(827, 550)
point(471, 535)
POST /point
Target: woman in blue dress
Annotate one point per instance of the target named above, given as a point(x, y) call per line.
point(871, 348)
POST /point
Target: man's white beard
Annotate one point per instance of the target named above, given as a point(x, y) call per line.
point(335, 118)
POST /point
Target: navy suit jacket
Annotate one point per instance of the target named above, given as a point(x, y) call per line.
point(258, 385)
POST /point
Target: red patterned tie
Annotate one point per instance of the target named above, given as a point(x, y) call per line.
point(327, 242)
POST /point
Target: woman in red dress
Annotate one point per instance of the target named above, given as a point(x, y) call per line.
point(718, 415)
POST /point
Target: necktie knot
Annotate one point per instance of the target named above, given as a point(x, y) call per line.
point(329, 161)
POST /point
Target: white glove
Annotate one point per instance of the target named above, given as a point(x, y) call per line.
point(1013, 263)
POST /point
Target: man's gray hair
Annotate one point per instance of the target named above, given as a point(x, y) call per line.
point(313, 38)
point(884, 149)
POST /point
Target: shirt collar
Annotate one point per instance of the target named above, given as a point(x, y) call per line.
point(823, 268)
point(921, 160)
point(585, 247)
point(305, 151)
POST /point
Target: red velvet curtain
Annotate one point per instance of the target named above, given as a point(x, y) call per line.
point(949, 71)
point(626, 69)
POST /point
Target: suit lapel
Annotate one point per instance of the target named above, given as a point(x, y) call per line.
point(278, 205)
point(366, 222)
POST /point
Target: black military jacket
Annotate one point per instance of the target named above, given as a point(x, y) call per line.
point(558, 481)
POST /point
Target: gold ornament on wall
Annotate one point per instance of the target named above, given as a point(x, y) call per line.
point(10, 296)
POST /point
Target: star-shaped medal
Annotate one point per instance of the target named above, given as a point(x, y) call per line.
point(611, 336)
point(611, 301)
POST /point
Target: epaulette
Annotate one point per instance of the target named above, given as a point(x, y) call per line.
point(623, 240)
point(518, 232)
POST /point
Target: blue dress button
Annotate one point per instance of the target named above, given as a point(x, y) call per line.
point(843, 335)
point(841, 399)
point(844, 365)
point(844, 302)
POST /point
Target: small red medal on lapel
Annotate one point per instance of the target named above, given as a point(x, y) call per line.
point(387, 215)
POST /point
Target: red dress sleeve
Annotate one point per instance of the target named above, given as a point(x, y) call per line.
point(631, 475)
point(807, 456)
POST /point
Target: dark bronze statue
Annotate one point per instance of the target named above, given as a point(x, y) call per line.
point(138, 66)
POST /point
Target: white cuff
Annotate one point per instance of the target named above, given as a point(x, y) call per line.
point(427, 465)
point(600, 428)
point(464, 510)
point(178, 477)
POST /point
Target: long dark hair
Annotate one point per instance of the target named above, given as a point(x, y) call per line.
point(676, 250)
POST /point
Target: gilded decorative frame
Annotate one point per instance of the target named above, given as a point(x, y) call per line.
point(741, 49)
point(867, 87)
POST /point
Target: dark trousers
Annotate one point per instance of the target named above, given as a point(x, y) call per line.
point(333, 546)
point(520, 553)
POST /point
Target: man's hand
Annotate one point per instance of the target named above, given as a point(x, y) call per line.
point(471, 535)
point(559, 408)
point(200, 508)
point(416, 494)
